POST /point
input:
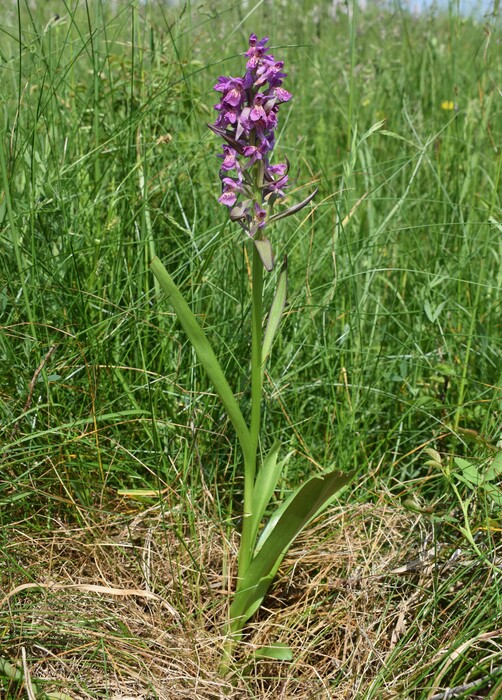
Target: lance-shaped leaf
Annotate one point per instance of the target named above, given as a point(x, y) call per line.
point(304, 504)
point(265, 485)
point(276, 311)
point(294, 209)
point(204, 351)
point(278, 651)
point(264, 248)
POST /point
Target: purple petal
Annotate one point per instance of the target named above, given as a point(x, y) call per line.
point(282, 94)
point(228, 198)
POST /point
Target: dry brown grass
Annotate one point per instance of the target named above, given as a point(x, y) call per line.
point(133, 606)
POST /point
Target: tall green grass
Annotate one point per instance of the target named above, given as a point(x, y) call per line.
point(392, 336)
point(395, 283)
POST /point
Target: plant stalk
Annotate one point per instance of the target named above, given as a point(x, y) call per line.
point(250, 454)
point(247, 546)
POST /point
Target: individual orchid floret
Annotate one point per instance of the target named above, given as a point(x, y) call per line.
point(276, 186)
point(260, 215)
point(231, 188)
point(281, 95)
point(229, 156)
point(228, 85)
point(247, 121)
point(255, 153)
point(270, 71)
point(255, 51)
point(257, 114)
point(278, 169)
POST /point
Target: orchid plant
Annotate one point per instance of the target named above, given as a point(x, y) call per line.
point(251, 186)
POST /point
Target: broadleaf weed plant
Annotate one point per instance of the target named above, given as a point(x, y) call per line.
point(251, 187)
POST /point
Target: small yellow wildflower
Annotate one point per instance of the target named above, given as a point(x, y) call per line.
point(447, 105)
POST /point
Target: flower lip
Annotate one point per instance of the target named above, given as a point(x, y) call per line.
point(281, 94)
point(229, 157)
point(228, 198)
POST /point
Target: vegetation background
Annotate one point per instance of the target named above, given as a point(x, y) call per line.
point(118, 472)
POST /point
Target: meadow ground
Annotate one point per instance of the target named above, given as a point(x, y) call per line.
point(120, 484)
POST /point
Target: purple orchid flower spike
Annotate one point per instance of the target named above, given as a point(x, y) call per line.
point(247, 121)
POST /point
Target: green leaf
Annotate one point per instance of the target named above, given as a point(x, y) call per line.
point(276, 311)
point(468, 535)
point(494, 471)
point(469, 473)
point(12, 671)
point(278, 651)
point(304, 504)
point(204, 351)
point(434, 454)
point(264, 248)
point(494, 493)
point(431, 314)
point(265, 485)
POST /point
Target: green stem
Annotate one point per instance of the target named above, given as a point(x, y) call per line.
point(250, 454)
point(256, 349)
point(247, 546)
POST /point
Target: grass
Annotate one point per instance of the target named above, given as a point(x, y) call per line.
point(391, 345)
